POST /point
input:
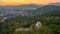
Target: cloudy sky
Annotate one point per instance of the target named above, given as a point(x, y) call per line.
point(16, 2)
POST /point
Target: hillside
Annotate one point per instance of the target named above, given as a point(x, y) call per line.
point(45, 9)
point(23, 7)
point(57, 4)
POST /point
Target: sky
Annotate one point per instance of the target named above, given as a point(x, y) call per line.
point(18, 2)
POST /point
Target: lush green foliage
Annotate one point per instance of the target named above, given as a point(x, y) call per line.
point(50, 25)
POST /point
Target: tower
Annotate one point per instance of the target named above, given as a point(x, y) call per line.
point(38, 24)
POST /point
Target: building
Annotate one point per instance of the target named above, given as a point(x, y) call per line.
point(22, 29)
point(38, 24)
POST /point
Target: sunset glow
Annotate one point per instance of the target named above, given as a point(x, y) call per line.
point(18, 2)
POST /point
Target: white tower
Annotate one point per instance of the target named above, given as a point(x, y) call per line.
point(38, 24)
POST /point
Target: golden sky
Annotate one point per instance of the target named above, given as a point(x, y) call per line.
point(16, 2)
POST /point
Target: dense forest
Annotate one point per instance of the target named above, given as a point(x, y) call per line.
point(50, 23)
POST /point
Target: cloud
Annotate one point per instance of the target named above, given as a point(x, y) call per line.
point(15, 2)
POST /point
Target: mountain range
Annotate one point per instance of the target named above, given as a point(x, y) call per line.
point(26, 6)
point(50, 9)
point(57, 4)
point(30, 8)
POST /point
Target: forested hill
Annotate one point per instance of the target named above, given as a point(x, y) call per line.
point(46, 9)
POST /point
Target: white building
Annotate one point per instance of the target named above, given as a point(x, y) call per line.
point(38, 24)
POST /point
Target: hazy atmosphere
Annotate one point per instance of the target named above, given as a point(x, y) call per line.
point(17, 2)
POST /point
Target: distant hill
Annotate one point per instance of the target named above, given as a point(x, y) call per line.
point(43, 10)
point(57, 4)
point(48, 8)
point(23, 7)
